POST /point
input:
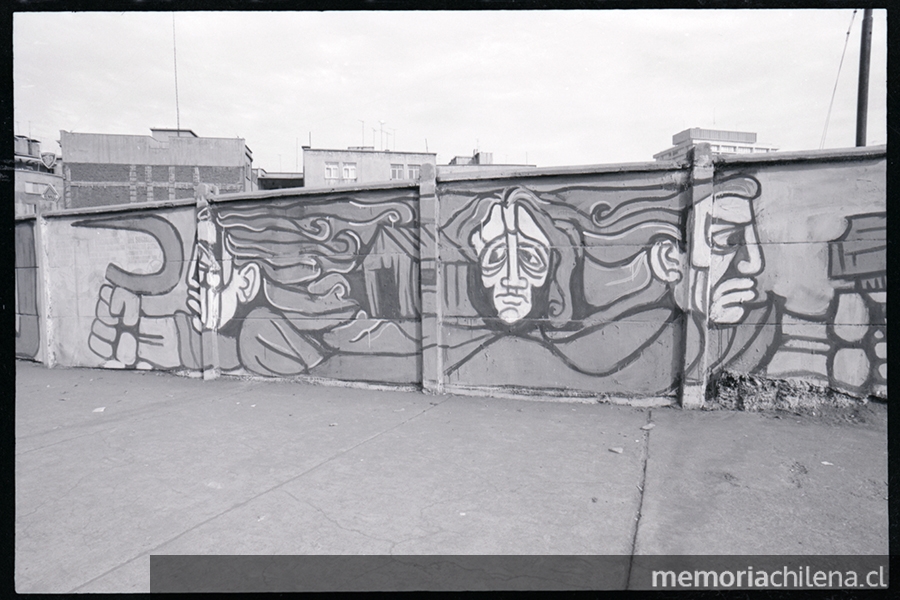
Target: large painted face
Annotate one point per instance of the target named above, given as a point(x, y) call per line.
point(215, 287)
point(514, 259)
point(728, 256)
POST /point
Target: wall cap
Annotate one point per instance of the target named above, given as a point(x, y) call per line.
point(312, 191)
point(841, 154)
point(639, 167)
point(114, 208)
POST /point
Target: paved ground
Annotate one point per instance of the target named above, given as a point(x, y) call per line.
point(114, 466)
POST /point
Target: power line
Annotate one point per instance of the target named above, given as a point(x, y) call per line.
point(841, 64)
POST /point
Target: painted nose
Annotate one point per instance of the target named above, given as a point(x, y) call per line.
point(749, 259)
point(513, 279)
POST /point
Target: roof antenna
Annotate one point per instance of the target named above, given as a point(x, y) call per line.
point(175, 60)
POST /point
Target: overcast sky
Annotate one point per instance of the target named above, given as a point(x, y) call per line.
point(552, 87)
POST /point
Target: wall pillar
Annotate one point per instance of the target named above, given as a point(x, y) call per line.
point(209, 346)
point(695, 375)
point(431, 281)
point(45, 323)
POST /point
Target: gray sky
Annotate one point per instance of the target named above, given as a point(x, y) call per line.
point(562, 87)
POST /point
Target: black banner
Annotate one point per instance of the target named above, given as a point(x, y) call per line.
point(188, 573)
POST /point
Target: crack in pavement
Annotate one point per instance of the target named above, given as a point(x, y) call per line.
point(334, 521)
point(645, 458)
point(243, 503)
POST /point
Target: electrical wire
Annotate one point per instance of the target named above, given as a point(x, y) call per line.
point(841, 64)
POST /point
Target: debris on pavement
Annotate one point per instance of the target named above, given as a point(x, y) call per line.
point(648, 426)
point(617, 450)
point(101, 409)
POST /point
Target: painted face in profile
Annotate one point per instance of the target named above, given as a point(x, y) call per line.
point(728, 253)
point(215, 288)
point(514, 259)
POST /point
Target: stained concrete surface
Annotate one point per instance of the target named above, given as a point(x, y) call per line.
point(756, 483)
point(182, 466)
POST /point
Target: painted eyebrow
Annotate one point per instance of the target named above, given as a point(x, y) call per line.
point(725, 207)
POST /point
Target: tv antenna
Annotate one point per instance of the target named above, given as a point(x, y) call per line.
point(175, 60)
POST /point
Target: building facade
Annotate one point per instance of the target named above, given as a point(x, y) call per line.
point(361, 164)
point(720, 141)
point(479, 162)
point(38, 177)
point(108, 169)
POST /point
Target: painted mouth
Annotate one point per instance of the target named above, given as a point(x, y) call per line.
point(511, 299)
point(735, 291)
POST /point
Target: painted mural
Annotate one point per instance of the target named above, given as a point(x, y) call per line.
point(633, 289)
point(127, 330)
point(599, 280)
point(845, 346)
point(28, 336)
point(640, 282)
point(322, 286)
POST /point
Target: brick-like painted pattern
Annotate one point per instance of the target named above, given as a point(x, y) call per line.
point(84, 197)
point(148, 178)
point(222, 175)
point(89, 185)
point(87, 172)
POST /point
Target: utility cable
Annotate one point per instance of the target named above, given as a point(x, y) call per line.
point(841, 64)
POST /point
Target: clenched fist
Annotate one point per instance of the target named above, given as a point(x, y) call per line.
point(126, 337)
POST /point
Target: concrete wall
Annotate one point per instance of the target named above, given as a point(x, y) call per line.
point(117, 285)
point(650, 280)
point(28, 278)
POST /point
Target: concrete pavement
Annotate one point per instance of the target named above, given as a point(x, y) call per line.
point(113, 466)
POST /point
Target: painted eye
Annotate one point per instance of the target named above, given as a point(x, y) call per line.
point(727, 239)
point(493, 259)
point(496, 255)
point(533, 259)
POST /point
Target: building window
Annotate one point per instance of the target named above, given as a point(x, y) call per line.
point(413, 171)
point(349, 171)
point(727, 148)
point(714, 147)
point(744, 150)
point(396, 171)
point(332, 170)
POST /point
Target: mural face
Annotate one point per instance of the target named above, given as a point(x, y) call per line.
point(726, 252)
point(215, 290)
point(514, 258)
point(573, 283)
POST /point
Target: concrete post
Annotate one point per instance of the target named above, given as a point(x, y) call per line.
point(209, 347)
point(430, 282)
point(696, 335)
point(45, 324)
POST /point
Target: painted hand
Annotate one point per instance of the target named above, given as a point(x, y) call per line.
point(125, 337)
